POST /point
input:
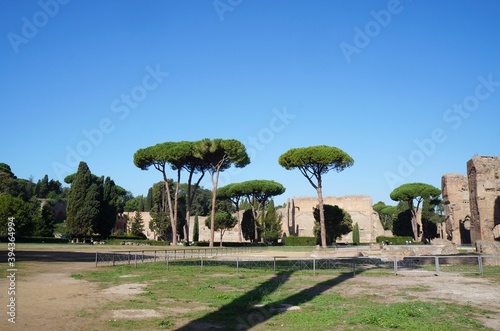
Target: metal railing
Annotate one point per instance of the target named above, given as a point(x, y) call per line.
point(456, 264)
point(237, 258)
point(142, 256)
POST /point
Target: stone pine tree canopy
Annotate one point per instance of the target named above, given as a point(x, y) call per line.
point(206, 155)
point(411, 191)
point(259, 190)
point(316, 160)
point(313, 162)
point(415, 192)
point(219, 155)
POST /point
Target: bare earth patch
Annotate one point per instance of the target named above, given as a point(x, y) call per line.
point(135, 313)
point(125, 289)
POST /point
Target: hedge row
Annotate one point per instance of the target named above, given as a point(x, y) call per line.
point(300, 241)
point(394, 240)
point(226, 244)
point(114, 241)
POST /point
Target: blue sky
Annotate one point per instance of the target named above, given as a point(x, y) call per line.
point(410, 89)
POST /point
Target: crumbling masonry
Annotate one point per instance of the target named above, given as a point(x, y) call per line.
point(472, 202)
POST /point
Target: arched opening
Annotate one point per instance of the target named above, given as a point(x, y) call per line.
point(465, 230)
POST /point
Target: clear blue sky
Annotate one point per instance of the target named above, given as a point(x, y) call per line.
point(410, 89)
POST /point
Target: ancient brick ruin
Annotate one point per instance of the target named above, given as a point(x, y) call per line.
point(483, 173)
point(299, 220)
point(472, 202)
point(455, 191)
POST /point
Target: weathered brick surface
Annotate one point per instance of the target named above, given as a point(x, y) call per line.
point(455, 192)
point(483, 173)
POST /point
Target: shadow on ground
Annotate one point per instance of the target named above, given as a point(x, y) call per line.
point(247, 315)
point(46, 256)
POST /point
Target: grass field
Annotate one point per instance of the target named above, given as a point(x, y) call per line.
point(219, 298)
point(58, 287)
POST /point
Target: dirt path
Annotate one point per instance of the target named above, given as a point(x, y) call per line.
point(48, 298)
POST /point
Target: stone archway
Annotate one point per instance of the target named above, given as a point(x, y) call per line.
point(465, 230)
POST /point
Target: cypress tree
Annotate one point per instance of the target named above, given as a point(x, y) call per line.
point(149, 203)
point(45, 224)
point(196, 230)
point(108, 207)
point(43, 189)
point(137, 227)
point(83, 203)
point(272, 223)
point(355, 234)
point(141, 203)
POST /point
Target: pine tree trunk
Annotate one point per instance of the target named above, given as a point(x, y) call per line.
point(321, 217)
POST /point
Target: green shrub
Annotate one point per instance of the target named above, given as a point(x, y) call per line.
point(300, 241)
point(395, 240)
point(355, 234)
point(115, 241)
point(226, 244)
point(126, 237)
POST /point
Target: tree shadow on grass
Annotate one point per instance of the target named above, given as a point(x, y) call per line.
point(243, 312)
point(241, 304)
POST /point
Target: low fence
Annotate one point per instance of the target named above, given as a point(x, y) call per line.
point(279, 263)
point(207, 258)
point(458, 264)
point(143, 256)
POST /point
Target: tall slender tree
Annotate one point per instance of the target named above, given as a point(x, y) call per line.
point(83, 203)
point(108, 208)
point(196, 230)
point(273, 227)
point(219, 155)
point(148, 202)
point(355, 234)
point(158, 156)
point(314, 162)
point(160, 220)
point(182, 157)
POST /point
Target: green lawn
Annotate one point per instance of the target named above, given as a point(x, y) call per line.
point(220, 297)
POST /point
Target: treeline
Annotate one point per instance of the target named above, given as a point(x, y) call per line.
point(36, 207)
point(247, 207)
point(201, 205)
point(155, 203)
point(93, 203)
